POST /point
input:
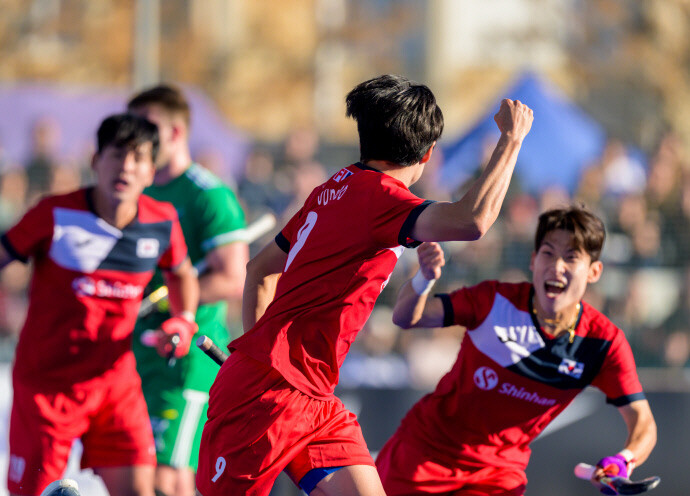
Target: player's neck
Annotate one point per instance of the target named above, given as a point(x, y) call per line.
point(405, 174)
point(554, 323)
point(117, 214)
point(173, 169)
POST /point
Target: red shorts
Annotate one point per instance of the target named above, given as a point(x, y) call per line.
point(259, 425)
point(110, 418)
point(406, 468)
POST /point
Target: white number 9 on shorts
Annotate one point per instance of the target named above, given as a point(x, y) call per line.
point(220, 468)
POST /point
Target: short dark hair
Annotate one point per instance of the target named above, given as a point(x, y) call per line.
point(397, 119)
point(169, 97)
point(127, 130)
point(588, 230)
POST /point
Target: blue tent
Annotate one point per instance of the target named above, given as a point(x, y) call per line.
point(562, 142)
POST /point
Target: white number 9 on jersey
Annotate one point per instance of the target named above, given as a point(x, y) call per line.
point(302, 236)
point(220, 468)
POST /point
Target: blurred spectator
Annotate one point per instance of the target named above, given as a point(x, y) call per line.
point(257, 188)
point(622, 173)
point(373, 360)
point(45, 136)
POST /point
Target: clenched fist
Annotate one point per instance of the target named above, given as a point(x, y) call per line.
point(514, 119)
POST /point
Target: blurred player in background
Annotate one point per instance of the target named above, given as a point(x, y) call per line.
point(213, 225)
point(93, 252)
point(309, 293)
point(528, 351)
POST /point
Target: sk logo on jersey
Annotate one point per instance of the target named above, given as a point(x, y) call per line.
point(341, 174)
point(147, 248)
point(571, 368)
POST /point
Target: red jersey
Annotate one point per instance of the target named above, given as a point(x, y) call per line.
point(87, 283)
point(511, 379)
point(342, 247)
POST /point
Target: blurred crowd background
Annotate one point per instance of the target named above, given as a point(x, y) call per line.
point(274, 76)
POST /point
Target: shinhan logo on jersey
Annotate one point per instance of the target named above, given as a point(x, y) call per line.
point(87, 286)
point(342, 174)
point(486, 378)
point(571, 368)
point(147, 248)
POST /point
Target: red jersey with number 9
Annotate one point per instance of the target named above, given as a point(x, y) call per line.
point(342, 247)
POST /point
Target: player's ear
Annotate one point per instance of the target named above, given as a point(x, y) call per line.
point(94, 159)
point(428, 153)
point(594, 272)
point(531, 261)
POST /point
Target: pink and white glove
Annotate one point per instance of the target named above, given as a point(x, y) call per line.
point(182, 327)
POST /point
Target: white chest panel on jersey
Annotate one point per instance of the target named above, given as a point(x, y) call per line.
point(507, 335)
point(81, 241)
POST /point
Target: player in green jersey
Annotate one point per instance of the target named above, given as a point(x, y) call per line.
point(213, 224)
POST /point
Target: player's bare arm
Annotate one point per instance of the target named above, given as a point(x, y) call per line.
point(224, 278)
point(641, 429)
point(263, 272)
point(413, 308)
point(470, 217)
point(175, 335)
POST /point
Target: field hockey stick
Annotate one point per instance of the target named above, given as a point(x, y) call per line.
point(252, 232)
point(207, 345)
point(620, 485)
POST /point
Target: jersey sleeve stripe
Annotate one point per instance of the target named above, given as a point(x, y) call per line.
point(625, 400)
point(405, 236)
point(10, 249)
point(282, 242)
point(224, 239)
point(448, 314)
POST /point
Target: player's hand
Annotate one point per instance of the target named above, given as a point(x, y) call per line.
point(615, 465)
point(431, 259)
point(181, 327)
point(514, 119)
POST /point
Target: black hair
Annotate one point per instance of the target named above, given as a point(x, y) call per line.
point(127, 130)
point(397, 119)
point(588, 230)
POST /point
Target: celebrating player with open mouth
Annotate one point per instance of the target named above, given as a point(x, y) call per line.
point(528, 351)
point(309, 293)
point(93, 252)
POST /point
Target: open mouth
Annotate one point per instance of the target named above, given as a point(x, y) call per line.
point(554, 288)
point(120, 184)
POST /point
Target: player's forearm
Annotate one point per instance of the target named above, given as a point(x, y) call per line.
point(470, 217)
point(409, 307)
point(259, 291)
point(183, 287)
point(642, 435)
point(216, 286)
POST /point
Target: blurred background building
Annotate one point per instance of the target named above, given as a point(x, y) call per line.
point(268, 80)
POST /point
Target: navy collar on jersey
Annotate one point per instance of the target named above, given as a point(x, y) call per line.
point(536, 323)
point(366, 167)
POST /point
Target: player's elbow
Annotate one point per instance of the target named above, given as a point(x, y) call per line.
point(402, 321)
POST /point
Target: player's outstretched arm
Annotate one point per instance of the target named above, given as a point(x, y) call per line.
point(263, 272)
point(224, 277)
point(470, 217)
point(641, 429)
point(413, 308)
